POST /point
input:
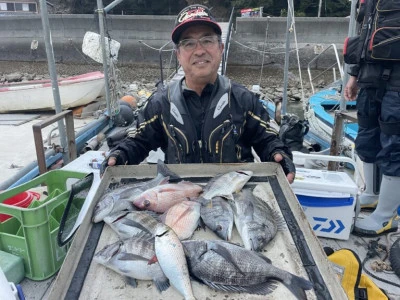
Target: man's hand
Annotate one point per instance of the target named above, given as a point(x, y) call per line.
point(350, 91)
point(287, 165)
point(116, 157)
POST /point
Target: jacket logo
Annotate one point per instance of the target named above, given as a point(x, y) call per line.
point(175, 112)
point(222, 102)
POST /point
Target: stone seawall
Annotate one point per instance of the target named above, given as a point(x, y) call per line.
point(142, 36)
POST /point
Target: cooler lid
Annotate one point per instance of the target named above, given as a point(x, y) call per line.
point(322, 180)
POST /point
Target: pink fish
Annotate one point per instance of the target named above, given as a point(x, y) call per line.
point(161, 198)
point(183, 218)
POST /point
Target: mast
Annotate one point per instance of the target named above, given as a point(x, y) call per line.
point(287, 49)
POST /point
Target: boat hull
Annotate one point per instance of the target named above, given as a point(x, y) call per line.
point(38, 95)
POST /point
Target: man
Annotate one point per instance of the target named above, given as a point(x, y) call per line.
point(378, 111)
point(204, 118)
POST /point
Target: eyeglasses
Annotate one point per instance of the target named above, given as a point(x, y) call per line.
point(206, 42)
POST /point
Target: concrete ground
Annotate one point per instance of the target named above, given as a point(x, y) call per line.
point(18, 147)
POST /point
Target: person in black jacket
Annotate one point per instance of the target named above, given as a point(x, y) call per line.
point(378, 112)
point(205, 117)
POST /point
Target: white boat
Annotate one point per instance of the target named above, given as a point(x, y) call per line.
point(38, 94)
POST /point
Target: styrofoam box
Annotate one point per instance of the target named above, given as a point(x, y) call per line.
point(328, 199)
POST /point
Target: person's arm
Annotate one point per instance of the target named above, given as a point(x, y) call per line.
point(351, 89)
point(266, 141)
point(133, 150)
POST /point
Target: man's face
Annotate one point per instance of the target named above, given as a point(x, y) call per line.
point(202, 62)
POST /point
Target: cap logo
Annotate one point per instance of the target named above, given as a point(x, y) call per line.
point(199, 12)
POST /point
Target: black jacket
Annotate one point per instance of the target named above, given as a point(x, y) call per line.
point(234, 121)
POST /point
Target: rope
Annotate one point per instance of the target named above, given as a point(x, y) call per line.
point(263, 57)
point(373, 250)
point(293, 28)
point(256, 50)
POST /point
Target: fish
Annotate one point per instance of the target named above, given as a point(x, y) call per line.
point(120, 198)
point(160, 198)
point(183, 218)
point(218, 216)
point(130, 258)
point(255, 220)
point(171, 257)
point(134, 223)
point(228, 267)
point(224, 185)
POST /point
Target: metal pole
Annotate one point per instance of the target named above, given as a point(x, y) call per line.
point(53, 75)
point(100, 11)
point(319, 8)
point(285, 73)
point(338, 126)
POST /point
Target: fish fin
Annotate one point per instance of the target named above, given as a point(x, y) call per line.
point(263, 257)
point(258, 289)
point(165, 171)
point(152, 260)
point(129, 256)
point(130, 222)
point(131, 281)
point(161, 284)
point(201, 224)
point(298, 285)
point(225, 253)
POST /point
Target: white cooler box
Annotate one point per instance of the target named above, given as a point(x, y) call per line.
point(328, 199)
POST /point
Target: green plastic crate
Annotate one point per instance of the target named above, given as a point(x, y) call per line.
point(32, 232)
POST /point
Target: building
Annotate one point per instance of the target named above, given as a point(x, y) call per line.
point(19, 7)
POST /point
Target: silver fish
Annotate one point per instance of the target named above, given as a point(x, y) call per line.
point(217, 214)
point(118, 199)
point(134, 223)
point(255, 220)
point(224, 185)
point(171, 257)
point(183, 218)
point(228, 267)
point(131, 258)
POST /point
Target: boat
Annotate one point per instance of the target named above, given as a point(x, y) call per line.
point(37, 95)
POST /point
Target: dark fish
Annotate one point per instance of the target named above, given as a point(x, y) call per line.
point(118, 199)
point(228, 267)
point(217, 214)
point(131, 258)
point(255, 220)
point(134, 223)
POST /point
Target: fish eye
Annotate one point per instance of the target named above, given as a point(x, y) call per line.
point(219, 228)
point(146, 203)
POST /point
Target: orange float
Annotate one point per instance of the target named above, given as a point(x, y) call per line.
point(130, 99)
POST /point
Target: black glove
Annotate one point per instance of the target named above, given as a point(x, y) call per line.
point(286, 163)
point(120, 157)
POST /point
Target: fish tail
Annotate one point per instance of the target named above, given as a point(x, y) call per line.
point(298, 285)
point(166, 172)
point(162, 285)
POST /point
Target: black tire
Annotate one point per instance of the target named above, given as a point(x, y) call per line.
point(394, 257)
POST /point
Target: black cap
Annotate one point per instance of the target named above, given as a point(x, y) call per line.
point(193, 15)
